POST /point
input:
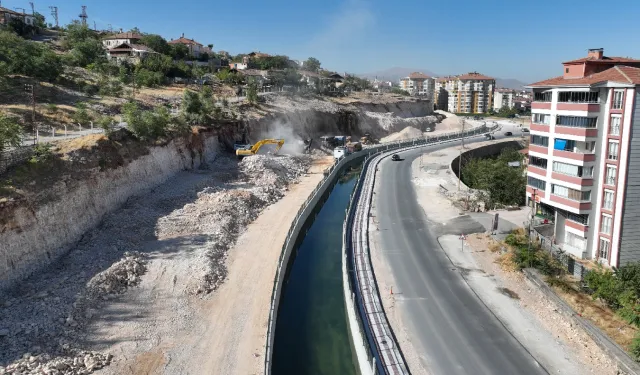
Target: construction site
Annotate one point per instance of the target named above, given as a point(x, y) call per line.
point(135, 258)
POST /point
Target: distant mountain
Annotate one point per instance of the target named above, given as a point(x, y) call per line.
point(394, 75)
point(509, 83)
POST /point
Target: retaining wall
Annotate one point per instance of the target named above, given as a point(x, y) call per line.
point(37, 236)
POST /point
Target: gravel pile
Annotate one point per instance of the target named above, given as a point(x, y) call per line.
point(223, 212)
point(78, 363)
point(405, 134)
point(120, 276)
point(393, 123)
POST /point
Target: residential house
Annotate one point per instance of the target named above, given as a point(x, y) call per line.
point(238, 65)
point(133, 53)
point(260, 76)
point(503, 98)
point(121, 38)
point(467, 93)
point(418, 83)
point(6, 15)
point(584, 157)
point(195, 49)
point(310, 78)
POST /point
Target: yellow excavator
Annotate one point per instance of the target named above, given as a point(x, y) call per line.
point(242, 152)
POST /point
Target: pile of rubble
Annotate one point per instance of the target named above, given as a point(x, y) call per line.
point(78, 363)
point(120, 276)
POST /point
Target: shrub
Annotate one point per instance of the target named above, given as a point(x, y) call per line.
point(10, 132)
point(605, 286)
point(146, 125)
point(635, 348)
point(41, 153)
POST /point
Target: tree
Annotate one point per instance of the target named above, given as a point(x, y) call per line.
point(210, 46)
point(146, 125)
point(19, 27)
point(76, 33)
point(19, 56)
point(179, 51)
point(81, 116)
point(10, 132)
point(312, 64)
point(156, 43)
point(85, 53)
point(193, 109)
point(252, 91)
point(40, 21)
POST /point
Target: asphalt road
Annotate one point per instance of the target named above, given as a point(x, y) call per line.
point(454, 332)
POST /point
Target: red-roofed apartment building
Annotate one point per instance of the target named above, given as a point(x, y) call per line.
point(465, 93)
point(584, 161)
point(418, 83)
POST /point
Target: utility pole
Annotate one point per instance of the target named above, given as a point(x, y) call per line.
point(83, 16)
point(533, 211)
point(94, 26)
point(54, 13)
point(33, 9)
point(30, 90)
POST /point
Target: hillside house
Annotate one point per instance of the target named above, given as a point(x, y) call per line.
point(132, 53)
point(6, 15)
point(195, 49)
point(121, 38)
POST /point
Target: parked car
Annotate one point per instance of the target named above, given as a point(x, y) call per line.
point(395, 157)
point(508, 133)
point(525, 130)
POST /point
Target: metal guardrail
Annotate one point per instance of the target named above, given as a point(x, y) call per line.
point(385, 357)
point(329, 176)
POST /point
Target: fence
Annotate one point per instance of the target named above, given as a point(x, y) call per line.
point(570, 265)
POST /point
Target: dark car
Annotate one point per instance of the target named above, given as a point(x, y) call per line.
point(395, 157)
point(508, 133)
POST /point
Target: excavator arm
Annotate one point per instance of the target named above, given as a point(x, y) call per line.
point(256, 147)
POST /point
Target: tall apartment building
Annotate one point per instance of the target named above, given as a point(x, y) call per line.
point(503, 98)
point(584, 161)
point(466, 93)
point(418, 83)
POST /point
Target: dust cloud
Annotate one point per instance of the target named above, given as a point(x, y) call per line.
point(293, 143)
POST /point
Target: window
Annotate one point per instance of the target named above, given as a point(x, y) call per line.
point(617, 99)
point(614, 128)
point(608, 200)
point(579, 97)
point(574, 240)
point(540, 140)
point(536, 183)
point(541, 118)
point(566, 70)
point(580, 219)
point(572, 170)
point(565, 192)
point(564, 144)
point(610, 178)
point(612, 153)
point(542, 96)
point(603, 248)
point(538, 162)
point(577, 122)
point(605, 225)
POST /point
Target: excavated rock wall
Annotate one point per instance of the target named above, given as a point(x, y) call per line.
point(37, 236)
point(314, 120)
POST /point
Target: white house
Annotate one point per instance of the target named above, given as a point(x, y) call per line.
point(116, 40)
point(7, 14)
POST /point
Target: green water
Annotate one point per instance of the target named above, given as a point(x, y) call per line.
point(311, 332)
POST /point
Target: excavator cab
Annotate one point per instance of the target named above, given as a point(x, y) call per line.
point(242, 152)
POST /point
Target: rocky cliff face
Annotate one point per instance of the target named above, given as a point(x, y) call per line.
point(34, 235)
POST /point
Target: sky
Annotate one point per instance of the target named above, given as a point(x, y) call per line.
point(525, 40)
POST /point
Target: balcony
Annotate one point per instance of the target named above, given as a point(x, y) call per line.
point(540, 105)
point(538, 148)
point(581, 206)
point(539, 127)
point(582, 181)
point(580, 132)
point(573, 155)
point(575, 225)
point(540, 172)
point(587, 107)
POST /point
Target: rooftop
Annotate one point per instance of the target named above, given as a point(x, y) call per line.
point(603, 59)
point(474, 75)
point(418, 75)
point(619, 73)
point(128, 35)
point(183, 40)
point(7, 10)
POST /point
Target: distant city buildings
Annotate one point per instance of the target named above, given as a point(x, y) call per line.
point(584, 159)
point(418, 83)
point(466, 93)
point(504, 98)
